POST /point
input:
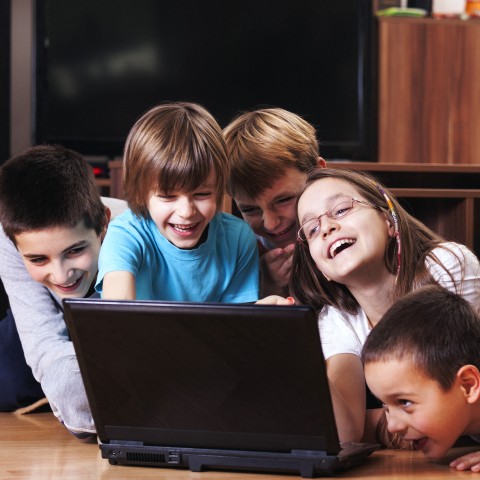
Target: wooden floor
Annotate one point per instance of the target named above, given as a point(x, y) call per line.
point(37, 447)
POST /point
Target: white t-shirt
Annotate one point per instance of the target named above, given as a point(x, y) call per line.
point(342, 332)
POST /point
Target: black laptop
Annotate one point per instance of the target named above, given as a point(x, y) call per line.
point(208, 386)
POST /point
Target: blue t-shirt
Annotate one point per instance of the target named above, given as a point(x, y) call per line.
point(224, 268)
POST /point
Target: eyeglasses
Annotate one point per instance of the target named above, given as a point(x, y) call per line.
point(311, 228)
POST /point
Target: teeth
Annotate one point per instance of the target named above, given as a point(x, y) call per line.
point(338, 244)
point(68, 284)
point(184, 227)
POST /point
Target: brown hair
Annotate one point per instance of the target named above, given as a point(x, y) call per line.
point(48, 186)
point(311, 287)
point(173, 147)
point(436, 330)
point(262, 144)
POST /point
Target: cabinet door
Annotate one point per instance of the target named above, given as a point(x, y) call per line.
point(429, 87)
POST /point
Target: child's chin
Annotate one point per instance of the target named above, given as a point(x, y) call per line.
point(435, 455)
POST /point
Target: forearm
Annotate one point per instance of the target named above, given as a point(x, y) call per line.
point(349, 416)
point(119, 286)
point(347, 385)
point(45, 340)
point(38, 317)
point(67, 396)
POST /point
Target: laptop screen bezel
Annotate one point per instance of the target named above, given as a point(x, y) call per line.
point(77, 313)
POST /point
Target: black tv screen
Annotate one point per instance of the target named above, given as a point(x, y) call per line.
point(101, 64)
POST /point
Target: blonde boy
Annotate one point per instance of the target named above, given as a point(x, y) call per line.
point(271, 151)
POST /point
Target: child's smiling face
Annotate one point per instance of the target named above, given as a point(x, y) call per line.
point(347, 249)
point(418, 408)
point(63, 259)
point(272, 214)
point(182, 217)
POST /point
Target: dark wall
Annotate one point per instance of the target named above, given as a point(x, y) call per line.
point(4, 80)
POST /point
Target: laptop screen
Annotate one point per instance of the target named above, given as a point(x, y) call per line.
point(247, 377)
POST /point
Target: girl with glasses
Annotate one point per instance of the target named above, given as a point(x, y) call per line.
point(358, 251)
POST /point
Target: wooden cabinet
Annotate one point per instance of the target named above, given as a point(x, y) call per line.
point(429, 91)
point(444, 197)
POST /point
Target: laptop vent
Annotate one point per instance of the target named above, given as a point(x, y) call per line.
point(146, 457)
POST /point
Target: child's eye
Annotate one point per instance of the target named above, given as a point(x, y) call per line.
point(405, 403)
point(250, 211)
point(203, 194)
point(341, 210)
point(76, 251)
point(165, 197)
point(313, 230)
point(285, 201)
point(38, 260)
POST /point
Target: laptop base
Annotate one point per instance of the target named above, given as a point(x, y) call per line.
point(306, 464)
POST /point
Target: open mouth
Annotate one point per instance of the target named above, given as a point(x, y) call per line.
point(68, 287)
point(184, 229)
point(419, 443)
point(283, 232)
point(340, 246)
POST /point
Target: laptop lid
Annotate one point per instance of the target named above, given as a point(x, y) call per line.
point(219, 376)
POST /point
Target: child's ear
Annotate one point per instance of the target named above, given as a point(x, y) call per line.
point(390, 225)
point(469, 378)
point(321, 162)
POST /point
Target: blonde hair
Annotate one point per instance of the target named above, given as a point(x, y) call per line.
point(262, 144)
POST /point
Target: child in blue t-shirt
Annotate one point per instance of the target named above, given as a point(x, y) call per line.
point(174, 243)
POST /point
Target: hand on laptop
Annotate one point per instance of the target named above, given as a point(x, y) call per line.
point(276, 300)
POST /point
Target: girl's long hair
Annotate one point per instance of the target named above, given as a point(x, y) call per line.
point(310, 287)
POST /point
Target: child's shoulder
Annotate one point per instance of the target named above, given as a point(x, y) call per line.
point(451, 254)
point(116, 205)
point(228, 217)
point(126, 217)
point(231, 221)
point(233, 230)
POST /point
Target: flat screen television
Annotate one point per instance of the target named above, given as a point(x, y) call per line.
point(101, 64)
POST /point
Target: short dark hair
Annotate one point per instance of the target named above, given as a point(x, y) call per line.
point(435, 329)
point(48, 186)
point(173, 146)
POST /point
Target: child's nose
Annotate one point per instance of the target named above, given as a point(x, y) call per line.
point(186, 207)
point(270, 220)
point(60, 274)
point(327, 225)
point(395, 424)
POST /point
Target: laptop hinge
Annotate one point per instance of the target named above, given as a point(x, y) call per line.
point(130, 443)
point(308, 452)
